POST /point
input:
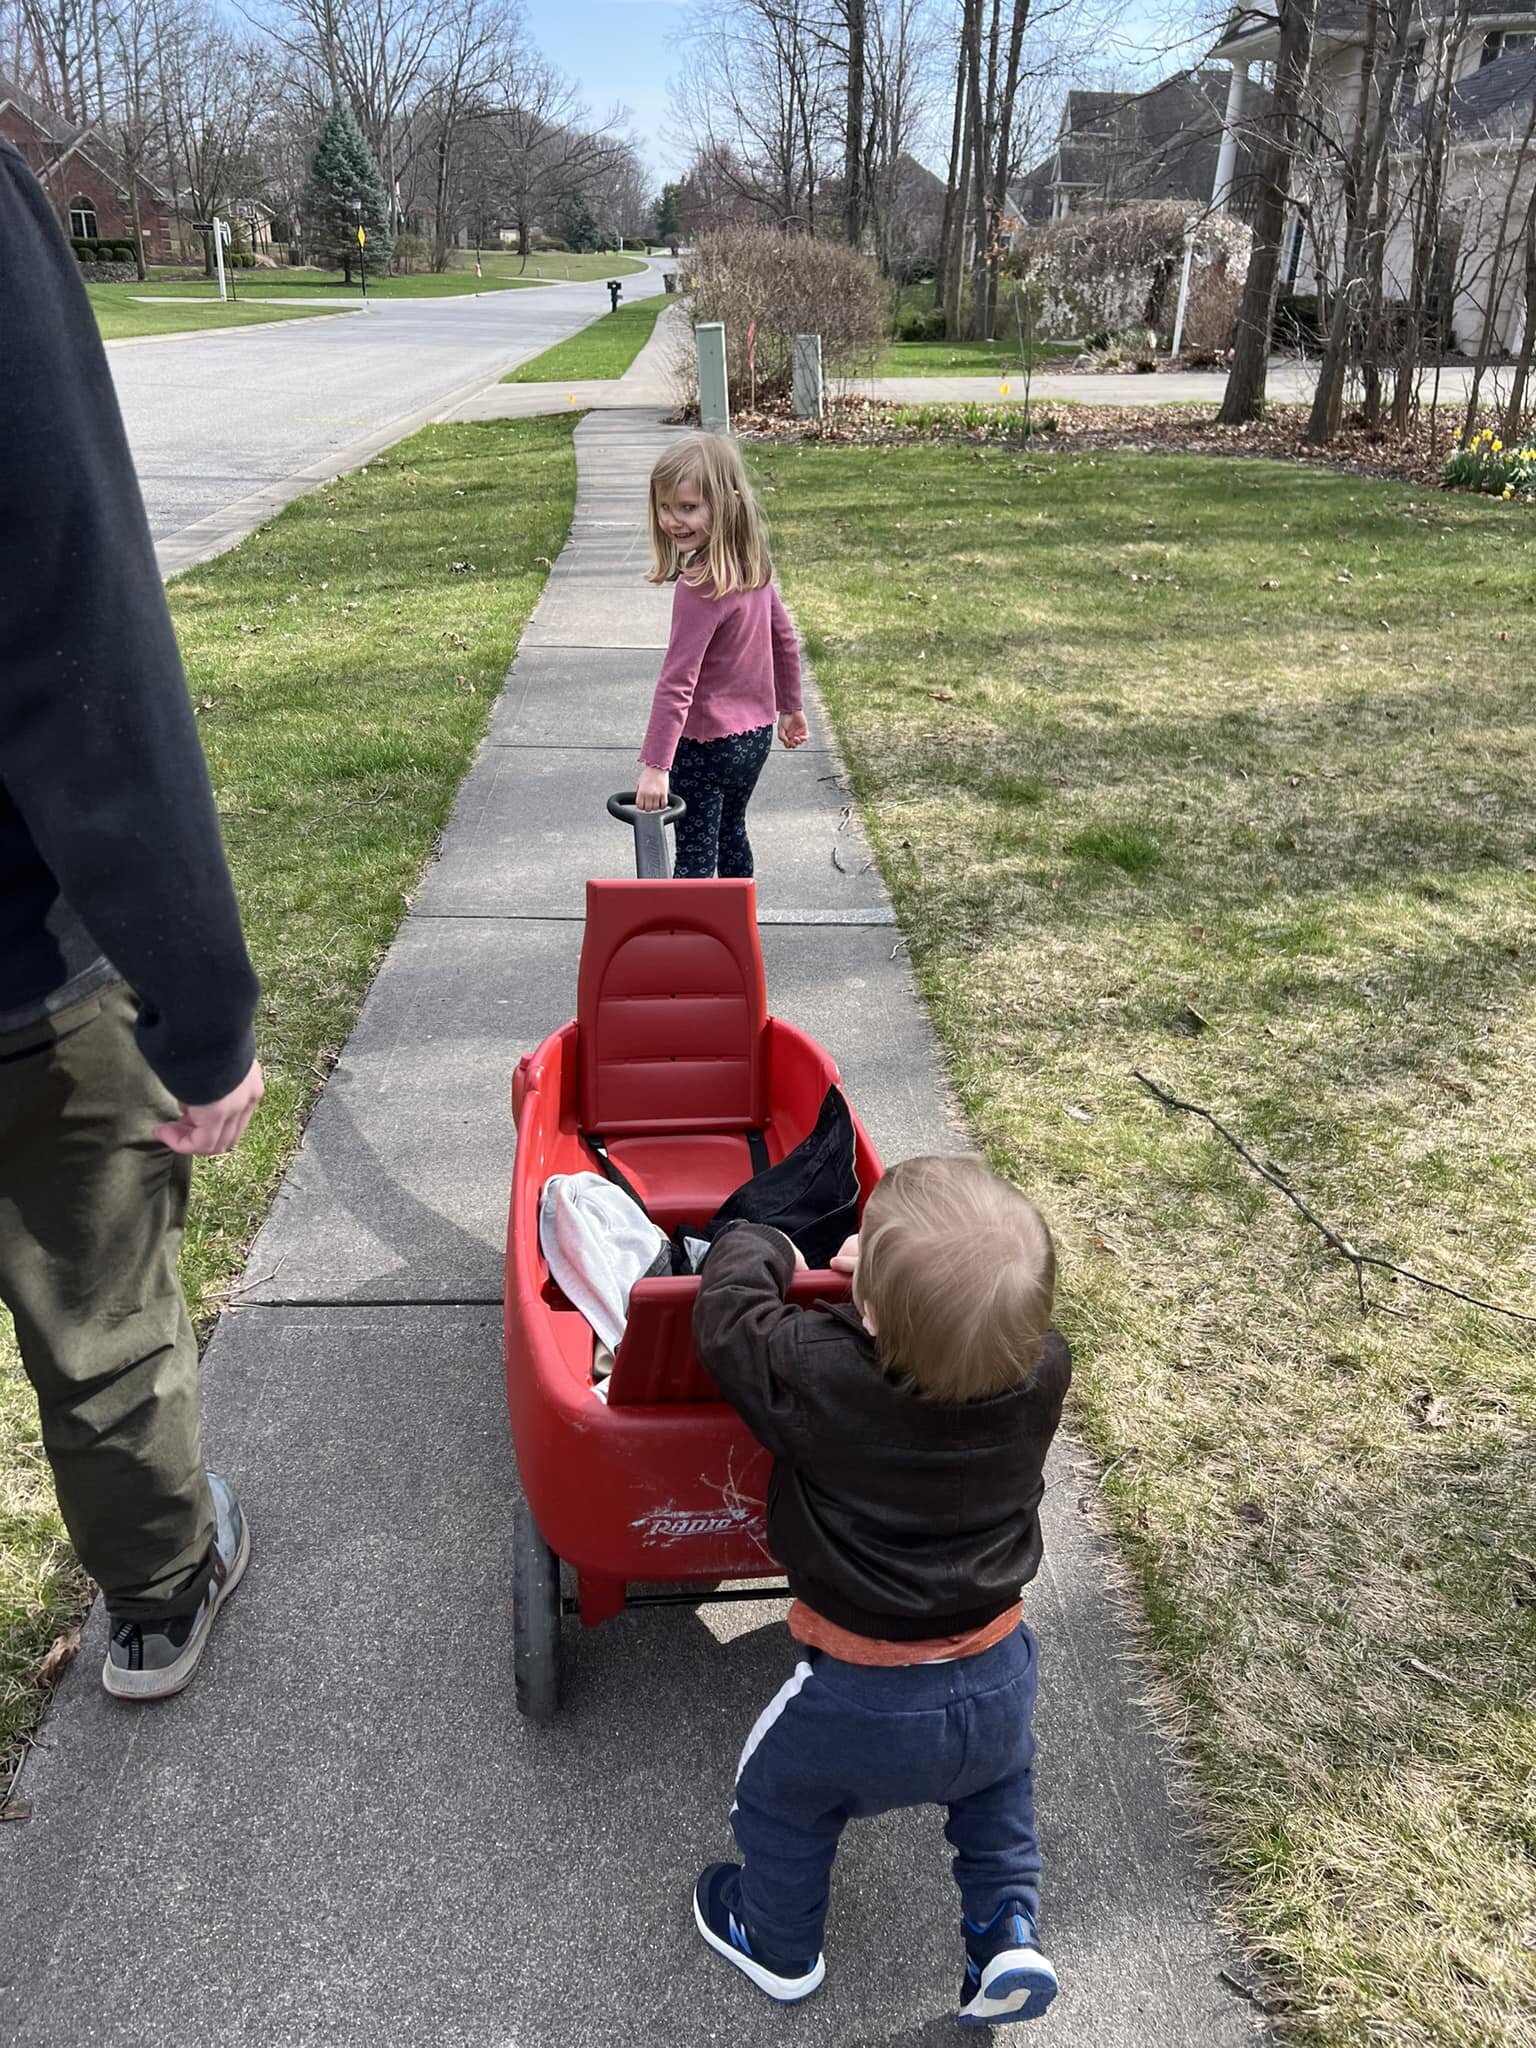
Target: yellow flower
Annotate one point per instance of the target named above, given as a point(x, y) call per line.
point(1498, 447)
point(1508, 491)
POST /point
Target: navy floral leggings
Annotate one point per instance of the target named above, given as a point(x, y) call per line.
point(715, 779)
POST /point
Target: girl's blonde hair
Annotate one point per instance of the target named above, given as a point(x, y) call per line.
point(957, 1272)
point(737, 555)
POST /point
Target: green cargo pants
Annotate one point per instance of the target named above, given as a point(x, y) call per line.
point(91, 1213)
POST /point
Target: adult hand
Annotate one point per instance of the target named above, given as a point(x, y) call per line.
point(205, 1128)
point(652, 793)
point(793, 730)
point(846, 1258)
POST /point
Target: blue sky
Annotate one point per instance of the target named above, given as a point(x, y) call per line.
point(626, 51)
point(616, 50)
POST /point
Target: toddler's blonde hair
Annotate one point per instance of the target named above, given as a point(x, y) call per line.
point(957, 1272)
point(737, 555)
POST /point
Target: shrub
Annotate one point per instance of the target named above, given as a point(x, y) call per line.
point(551, 245)
point(1486, 465)
point(1210, 317)
point(1298, 322)
point(1098, 272)
point(123, 252)
point(920, 323)
point(789, 285)
point(411, 252)
point(239, 259)
point(636, 242)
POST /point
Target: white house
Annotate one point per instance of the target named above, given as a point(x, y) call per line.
point(1489, 66)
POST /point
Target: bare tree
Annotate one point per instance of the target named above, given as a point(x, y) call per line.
point(759, 89)
point(1244, 396)
point(378, 53)
point(535, 147)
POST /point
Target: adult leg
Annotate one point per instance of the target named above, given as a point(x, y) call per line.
point(693, 778)
point(91, 1213)
point(738, 772)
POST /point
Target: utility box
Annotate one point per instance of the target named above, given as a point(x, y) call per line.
point(808, 393)
point(714, 395)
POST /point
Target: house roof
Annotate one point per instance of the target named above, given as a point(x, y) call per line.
point(72, 138)
point(1158, 144)
point(1494, 104)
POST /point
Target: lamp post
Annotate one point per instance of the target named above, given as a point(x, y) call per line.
point(362, 247)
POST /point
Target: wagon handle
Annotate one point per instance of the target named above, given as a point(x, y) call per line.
point(651, 861)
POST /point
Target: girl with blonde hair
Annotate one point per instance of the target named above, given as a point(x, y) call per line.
point(732, 666)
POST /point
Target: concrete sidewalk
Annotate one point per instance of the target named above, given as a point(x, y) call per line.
point(342, 1835)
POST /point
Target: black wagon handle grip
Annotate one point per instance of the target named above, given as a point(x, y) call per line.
point(651, 861)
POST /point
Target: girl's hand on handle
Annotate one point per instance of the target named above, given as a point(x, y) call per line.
point(653, 790)
point(793, 730)
point(846, 1258)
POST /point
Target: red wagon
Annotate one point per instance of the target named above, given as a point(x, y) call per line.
point(674, 1063)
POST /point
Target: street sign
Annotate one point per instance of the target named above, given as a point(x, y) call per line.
point(362, 238)
point(202, 227)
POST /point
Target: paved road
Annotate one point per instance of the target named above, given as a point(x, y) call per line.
point(1290, 383)
point(225, 427)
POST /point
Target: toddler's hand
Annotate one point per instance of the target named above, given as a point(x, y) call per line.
point(793, 730)
point(846, 1258)
point(652, 792)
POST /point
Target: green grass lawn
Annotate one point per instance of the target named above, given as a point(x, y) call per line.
point(119, 315)
point(304, 284)
point(550, 265)
point(965, 358)
point(344, 661)
point(605, 348)
point(1223, 770)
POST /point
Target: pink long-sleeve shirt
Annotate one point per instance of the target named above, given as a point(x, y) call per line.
point(732, 664)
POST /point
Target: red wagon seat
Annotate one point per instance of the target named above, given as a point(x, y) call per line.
point(672, 1014)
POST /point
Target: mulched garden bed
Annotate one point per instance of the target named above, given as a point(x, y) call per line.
point(1415, 457)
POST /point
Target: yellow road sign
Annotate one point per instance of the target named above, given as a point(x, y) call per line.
point(362, 237)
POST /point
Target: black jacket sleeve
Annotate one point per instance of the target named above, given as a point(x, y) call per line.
point(99, 750)
point(746, 1334)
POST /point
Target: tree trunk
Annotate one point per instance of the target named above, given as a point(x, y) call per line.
point(982, 105)
point(1360, 254)
point(954, 281)
point(136, 218)
point(1514, 413)
point(954, 197)
point(854, 152)
point(1244, 397)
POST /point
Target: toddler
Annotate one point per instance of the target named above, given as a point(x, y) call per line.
point(909, 1434)
point(732, 664)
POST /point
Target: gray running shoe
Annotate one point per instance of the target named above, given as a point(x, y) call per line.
point(150, 1660)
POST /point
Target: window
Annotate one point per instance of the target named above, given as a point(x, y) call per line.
point(1503, 42)
point(1408, 88)
point(82, 220)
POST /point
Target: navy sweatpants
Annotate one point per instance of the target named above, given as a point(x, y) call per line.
point(840, 1740)
point(715, 779)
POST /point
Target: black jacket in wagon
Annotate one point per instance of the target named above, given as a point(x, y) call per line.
point(895, 1518)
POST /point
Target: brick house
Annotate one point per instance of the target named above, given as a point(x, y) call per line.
point(84, 176)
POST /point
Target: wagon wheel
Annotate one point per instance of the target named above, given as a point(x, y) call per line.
point(535, 1620)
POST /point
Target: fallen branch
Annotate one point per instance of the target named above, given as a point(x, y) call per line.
point(1358, 1260)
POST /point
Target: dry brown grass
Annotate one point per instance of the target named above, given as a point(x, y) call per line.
point(1224, 771)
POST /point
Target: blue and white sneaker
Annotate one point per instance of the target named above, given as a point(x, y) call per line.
point(151, 1660)
point(1006, 1976)
point(717, 1915)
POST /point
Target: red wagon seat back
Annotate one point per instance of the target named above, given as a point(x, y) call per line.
point(671, 1009)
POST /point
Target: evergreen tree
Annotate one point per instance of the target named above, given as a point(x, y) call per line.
point(343, 170)
point(665, 224)
point(578, 224)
